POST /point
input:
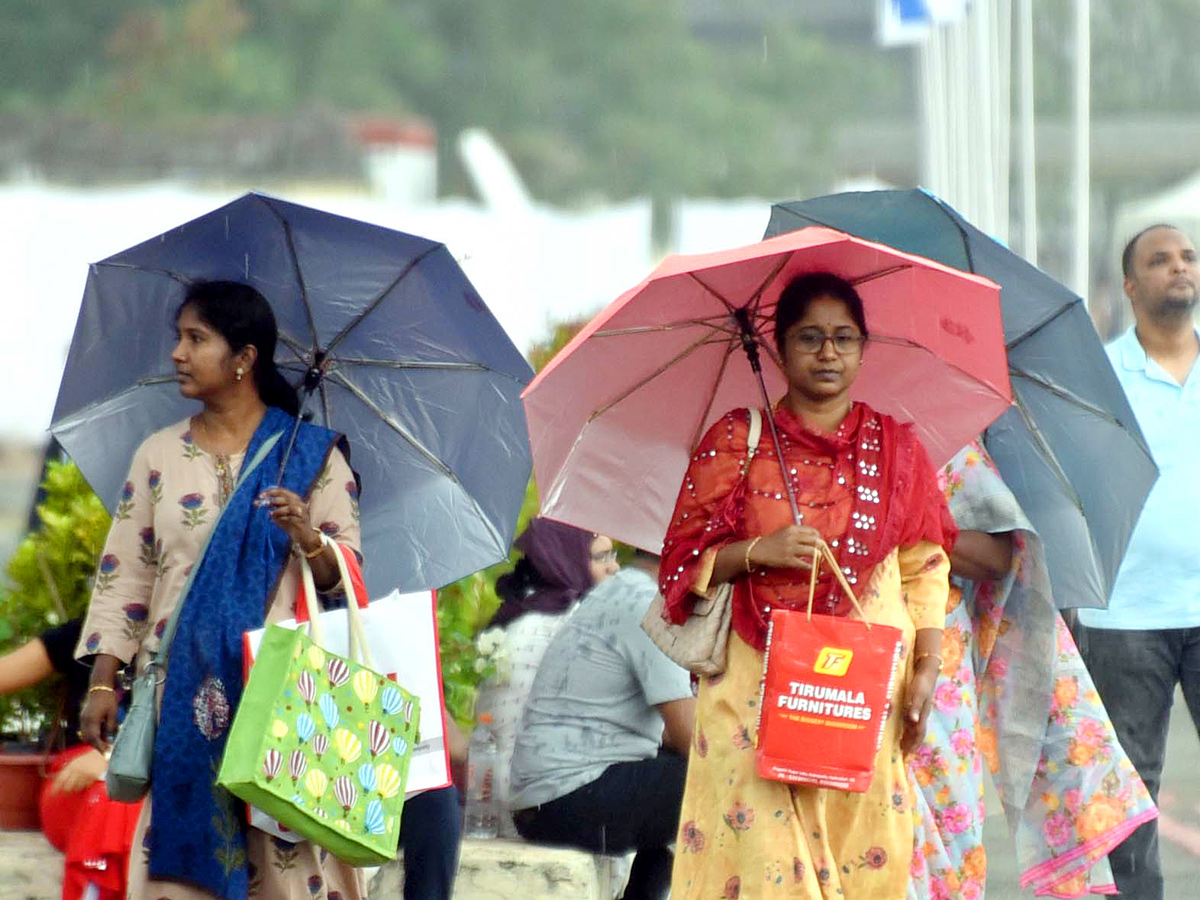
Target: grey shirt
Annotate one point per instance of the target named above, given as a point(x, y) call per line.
point(593, 699)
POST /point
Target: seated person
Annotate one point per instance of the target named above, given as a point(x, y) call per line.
point(601, 751)
point(560, 564)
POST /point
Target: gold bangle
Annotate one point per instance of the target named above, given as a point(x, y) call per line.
point(313, 554)
point(750, 547)
point(937, 656)
point(101, 687)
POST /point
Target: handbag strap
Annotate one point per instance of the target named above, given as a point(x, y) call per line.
point(358, 648)
point(752, 438)
point(822, 552)
point(158, 659)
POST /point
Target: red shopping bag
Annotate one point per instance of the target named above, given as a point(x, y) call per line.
point(827, 683)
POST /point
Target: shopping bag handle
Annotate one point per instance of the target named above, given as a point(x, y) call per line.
point(822, 551)
point(359, 649)
point(356, 588)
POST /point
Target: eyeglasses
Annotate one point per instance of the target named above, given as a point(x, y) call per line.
point(604, 556)
point(812, 340)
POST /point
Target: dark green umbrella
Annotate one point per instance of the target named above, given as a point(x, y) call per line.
point(1070, 447)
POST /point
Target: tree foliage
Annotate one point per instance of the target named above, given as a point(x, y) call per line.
point(616, 98)
point(50, 575)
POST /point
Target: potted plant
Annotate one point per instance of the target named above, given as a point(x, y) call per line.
point(49, 578)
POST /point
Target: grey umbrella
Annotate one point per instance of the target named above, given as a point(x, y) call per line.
point(1070, 447)
point(399, 351)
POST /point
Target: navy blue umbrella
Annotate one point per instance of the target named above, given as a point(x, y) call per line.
point(1070, 447)
point(399, 351)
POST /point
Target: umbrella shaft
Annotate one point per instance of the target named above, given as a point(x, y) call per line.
point(787, 482)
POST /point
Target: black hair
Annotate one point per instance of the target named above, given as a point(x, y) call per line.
point(243, 317)
point(802, 290)
point(1127, 253)
point(520, 582)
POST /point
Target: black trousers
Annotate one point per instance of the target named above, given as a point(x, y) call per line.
point(1136, 673)
point(632, 806)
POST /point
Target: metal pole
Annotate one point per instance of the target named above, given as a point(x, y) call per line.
point(1080, 271)
point(1029, 235)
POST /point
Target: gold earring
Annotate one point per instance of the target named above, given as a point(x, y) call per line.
point(240, 372)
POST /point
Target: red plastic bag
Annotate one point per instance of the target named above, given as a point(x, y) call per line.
point(827, 683)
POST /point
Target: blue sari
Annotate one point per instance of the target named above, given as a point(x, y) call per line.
point(198, 830)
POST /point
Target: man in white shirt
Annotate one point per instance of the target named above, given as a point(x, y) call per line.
point(1148, 639)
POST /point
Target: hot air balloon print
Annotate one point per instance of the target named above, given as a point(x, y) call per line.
point(408, 712)
point(389, 780)
point(347, 744)
point(305, 726)
point(320, 745)
point(297, 763)
point(316, 657)
point(271, 763)
point(346, 793)
point(373, 818)
point(279, 729)
point(338, 672)
point(329, 710)
point(307, 685)
point(366, 685)
point(316, 782)
point(366, 777)
point(399, 745)
point(379, 736)
point(390, 700)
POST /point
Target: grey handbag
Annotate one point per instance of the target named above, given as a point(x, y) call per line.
point(128, 776)
point(701, 643)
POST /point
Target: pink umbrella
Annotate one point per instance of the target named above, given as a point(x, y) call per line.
point(615, 416)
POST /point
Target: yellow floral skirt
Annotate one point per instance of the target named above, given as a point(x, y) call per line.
point(742, 836)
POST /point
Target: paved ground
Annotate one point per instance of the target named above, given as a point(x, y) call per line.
point(28, 866)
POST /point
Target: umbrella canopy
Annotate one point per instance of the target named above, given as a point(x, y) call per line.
point(1070, 429)
point(615, 416)
point(413, 368)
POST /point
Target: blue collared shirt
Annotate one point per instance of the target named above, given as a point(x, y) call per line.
point(1158, 585)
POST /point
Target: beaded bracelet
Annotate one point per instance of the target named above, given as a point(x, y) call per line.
point(750, 547)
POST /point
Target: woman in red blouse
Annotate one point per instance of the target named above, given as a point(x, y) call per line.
point(863, 483)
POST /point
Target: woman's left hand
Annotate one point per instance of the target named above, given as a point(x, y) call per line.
point(917, 701)
point(290, 513)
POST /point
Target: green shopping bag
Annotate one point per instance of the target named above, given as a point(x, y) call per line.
point(322, 742)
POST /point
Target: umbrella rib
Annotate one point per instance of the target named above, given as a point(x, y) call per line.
point(638, 385)
point(729, 305)
point(1030, 332)
point(947, 211)
point(175, 276)
point(291, 245)
point(706, 322)
point(1064, 396)
point(712, 395)
point(1048, 455)
point(139, 383)
point(370, 308)
point(388, 420)
point(882, 273)
point(294, 345)
point(391, 422)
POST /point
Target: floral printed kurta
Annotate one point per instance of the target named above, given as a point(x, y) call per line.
point(1011, 669)
point(742, 836)
point(169, 503)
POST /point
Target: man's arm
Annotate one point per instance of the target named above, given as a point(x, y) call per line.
point(678, 718)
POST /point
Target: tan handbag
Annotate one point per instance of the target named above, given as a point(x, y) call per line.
point(701, 643)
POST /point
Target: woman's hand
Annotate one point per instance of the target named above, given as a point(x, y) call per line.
point(290, 513)
point(791, 547)
point(98, 721)
point(917, 701)
point(80, 773)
